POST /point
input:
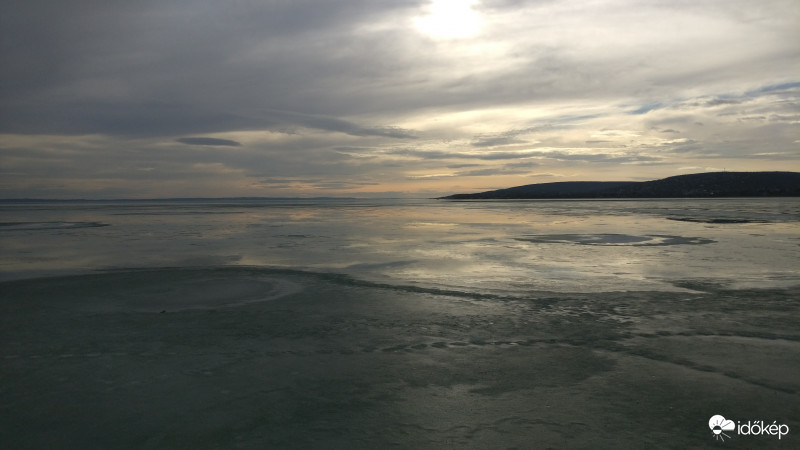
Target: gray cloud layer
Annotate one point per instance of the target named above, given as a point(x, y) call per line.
point(99, 85)
point(208, 141)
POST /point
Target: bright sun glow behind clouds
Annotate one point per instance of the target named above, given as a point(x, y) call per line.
point(450, 19)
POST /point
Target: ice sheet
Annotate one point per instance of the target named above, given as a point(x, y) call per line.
point(343, 362)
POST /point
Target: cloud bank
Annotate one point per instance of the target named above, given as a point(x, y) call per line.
point(356, 97)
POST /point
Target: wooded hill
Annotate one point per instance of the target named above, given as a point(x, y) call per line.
point(711, 184)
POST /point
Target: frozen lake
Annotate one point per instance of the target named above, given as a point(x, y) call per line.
point(507, 247)
point(397, 323)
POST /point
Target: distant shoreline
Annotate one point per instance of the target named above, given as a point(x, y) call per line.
point(699, 185)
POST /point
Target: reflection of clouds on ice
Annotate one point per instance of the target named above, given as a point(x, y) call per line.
point(514, 246)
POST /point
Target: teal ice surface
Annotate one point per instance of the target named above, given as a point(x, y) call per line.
point(160, 358)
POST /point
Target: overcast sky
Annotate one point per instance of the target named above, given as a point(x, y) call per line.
point(176, 98)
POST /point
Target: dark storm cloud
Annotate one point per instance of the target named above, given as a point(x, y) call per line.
point(208, 141)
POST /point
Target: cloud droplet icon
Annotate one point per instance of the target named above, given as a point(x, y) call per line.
point(719, 425)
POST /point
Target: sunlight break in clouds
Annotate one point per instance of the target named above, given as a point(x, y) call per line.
point(450, 19)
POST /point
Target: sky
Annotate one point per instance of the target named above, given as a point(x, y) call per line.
point(384, 98)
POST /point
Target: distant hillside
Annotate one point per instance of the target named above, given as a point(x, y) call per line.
point(712, 184)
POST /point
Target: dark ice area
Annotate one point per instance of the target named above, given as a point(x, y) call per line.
point(196, 358)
